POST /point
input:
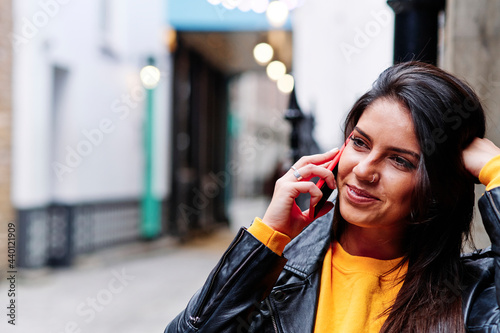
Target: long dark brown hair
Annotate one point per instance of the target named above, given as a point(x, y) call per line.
point(447, 116)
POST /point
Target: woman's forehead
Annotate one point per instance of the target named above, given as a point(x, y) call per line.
point(389, 122)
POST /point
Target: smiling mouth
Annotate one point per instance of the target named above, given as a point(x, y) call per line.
point(360, 196)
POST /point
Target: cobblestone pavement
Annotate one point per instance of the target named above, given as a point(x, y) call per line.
point(134, 288)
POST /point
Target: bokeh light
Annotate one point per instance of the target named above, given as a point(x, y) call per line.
point(245, 5)
point(150, 77)
point(291, 4)
point(230, 4)
point(263, 53)
point(275, 70)
point(277, 13)
point(286, 83)
point(260, 6)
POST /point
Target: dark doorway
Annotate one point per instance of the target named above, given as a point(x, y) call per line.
point(199, 178)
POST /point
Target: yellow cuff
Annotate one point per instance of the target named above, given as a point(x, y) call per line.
point(274, 240)
point(490, 173)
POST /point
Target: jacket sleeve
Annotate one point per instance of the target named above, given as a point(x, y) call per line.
point(231, 295)
point(489, 206)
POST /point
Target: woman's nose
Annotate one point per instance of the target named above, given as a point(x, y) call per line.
point(366, 169)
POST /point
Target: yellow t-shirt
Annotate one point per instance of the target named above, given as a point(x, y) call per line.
point(352, 293)
point(490, 173)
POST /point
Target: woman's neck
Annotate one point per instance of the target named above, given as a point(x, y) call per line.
point(383, 244)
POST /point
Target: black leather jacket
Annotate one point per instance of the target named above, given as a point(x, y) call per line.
point(254, 290)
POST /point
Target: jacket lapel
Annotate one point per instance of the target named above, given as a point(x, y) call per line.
point(305, 252)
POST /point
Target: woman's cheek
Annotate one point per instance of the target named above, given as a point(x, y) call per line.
point(345, 166)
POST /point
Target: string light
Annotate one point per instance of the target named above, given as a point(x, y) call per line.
point(277, 12)
point(258, 6)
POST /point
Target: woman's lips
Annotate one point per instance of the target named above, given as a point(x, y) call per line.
point(359, 196)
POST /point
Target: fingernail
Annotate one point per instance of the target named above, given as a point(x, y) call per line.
point(334, 149)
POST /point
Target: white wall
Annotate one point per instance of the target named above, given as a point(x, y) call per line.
point(101, 116)
point(340, 48)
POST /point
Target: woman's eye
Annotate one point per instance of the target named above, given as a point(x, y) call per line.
point(358, 142)
point(402, 162)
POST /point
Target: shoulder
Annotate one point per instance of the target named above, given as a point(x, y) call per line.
point(305, 252)
point(479, 300)
point(478, 269)
point(479, 260)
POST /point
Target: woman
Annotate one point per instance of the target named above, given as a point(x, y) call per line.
point(389, 257)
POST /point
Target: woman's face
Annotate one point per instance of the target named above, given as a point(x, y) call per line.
point(378, 169)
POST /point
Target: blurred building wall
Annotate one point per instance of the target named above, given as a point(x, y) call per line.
point(472, 52)
point(340, 48)
point(6, 213)
point(79, 104)
point(79, 123)
point(259, 134)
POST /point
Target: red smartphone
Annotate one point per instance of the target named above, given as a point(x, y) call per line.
point(314, 211)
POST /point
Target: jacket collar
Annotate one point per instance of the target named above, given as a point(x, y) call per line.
point(306, 252)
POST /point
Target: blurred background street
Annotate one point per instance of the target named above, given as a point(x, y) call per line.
point(136, 137)
point(157, 284)
point(137, 287)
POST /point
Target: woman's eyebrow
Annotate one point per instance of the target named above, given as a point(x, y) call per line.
point(363, 133)
point(405, 151)
point(392, 148)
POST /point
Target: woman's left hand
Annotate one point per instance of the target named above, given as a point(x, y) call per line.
point(477, 154)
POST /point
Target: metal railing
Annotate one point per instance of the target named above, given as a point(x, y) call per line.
point(54, 235)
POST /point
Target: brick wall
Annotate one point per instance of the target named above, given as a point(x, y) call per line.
point(472, 52)
point(6, 211)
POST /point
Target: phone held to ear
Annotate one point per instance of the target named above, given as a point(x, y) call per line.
point(321, 184)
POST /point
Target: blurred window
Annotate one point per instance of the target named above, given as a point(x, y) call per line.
point(108, 28)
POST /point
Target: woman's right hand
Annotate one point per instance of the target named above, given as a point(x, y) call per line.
point(283, 214)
